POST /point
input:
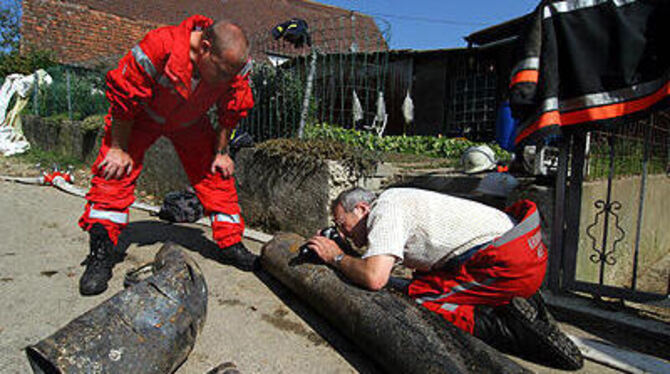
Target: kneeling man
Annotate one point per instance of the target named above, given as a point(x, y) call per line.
point(476, 266)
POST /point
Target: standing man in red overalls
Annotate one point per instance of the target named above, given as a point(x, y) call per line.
point(476, 266)
point(164, 87)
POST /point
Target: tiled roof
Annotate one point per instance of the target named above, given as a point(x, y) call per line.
point(332, 28)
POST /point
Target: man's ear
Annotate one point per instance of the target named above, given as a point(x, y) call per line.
point(364, 208)
point(205, 46)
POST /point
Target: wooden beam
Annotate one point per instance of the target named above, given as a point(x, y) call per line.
point(388, 326)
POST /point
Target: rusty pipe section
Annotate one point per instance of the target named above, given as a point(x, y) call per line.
point(149, 327)
point(389, 327)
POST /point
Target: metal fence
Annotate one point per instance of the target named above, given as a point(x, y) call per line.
point(616, 211)
point(635, 146)
point(74, 94)
point(343, 67)
point(347, 77)
point(362, 85)
point(474, 101)
point(339, 79)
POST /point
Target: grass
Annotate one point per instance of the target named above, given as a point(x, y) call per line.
point(48, 158)
point(628, 160)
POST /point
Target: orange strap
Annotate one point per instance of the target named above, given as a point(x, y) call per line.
point(525, 76)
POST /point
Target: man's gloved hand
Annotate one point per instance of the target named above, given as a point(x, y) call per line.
point(116, 164)
point(224, 164)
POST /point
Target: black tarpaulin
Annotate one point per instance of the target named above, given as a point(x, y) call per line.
point(590, 63)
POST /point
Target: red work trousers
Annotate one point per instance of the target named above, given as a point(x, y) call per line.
point(512, 265)
point(109, 200)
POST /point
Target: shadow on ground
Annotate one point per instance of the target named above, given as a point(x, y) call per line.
point(611, 332)
point(339, 342)
point(144, 233)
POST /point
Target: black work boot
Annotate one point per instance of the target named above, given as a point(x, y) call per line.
point(99, 262)
point(520, 328)
point(542, 310)
point(542, 338)
point(491, 328)
point(237, 255)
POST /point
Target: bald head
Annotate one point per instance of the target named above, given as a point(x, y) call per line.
point(228, 40)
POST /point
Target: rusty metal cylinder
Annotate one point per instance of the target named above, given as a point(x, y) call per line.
point(389, 327)
point(150, 327)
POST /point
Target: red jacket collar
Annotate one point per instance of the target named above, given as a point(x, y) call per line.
point(179, 67)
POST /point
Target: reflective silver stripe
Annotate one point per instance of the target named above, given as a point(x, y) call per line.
point(154, 116)
point(455, 290)
point(613, 97)
point(623, 2)
point(549, 104)
point(572, 5)
point(164, 81)
point(144, 61)
point(222, 217)
point(604, 98)
point(246, 69)
point(115, 217)
point(530, 63)
point(527, 225)
point(449, 307)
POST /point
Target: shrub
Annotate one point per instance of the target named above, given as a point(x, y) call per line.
point(86, 90)
point(49, 158)
point(13, 62)
point(93, 123)
point(430, 146)
point(279, 96)
point(316, 151)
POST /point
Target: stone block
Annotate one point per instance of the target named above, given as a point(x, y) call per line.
point(163, 171)
point(280, 194)
point(62, 137)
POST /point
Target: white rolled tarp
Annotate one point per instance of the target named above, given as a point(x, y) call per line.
point(12, 140)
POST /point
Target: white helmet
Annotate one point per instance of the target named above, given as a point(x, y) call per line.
point(497, 184)
point(477, 159)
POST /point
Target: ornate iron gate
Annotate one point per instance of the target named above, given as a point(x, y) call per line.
point(612, 212)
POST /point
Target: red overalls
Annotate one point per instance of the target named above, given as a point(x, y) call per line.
point(152, 87)
point(512, 265)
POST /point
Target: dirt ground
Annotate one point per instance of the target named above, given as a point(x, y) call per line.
point(252, 320)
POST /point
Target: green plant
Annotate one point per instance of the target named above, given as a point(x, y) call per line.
point(279, 94)
point(431, 146)
point(628, 159)
point(93, 123)
point(60, 117)
point(47, 158)
point(86, 90)
point(315, 151)
point(14, 62)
